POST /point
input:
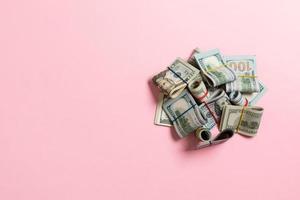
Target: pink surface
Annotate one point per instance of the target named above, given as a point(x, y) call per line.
point(77, 109)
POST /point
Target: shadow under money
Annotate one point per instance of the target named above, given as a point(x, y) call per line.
point(174, 134)
point(191, 142)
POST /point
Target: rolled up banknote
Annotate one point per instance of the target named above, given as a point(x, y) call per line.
point(245, 70)
point(203, 134)
point(184, 113)
point(175, 79)
point(214, 68)
point(236, 98)
point(224, 136)
point(198, 90)
point(244, 120)
point(212, 108)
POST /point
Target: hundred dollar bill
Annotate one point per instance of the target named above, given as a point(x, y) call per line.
point(161, 118)
point(255, 96)
point(222, 137)
point(212, 108)
point(184, 114)
point(244, 120)
point(175, 79)
point(214, 68)
point(245, 70)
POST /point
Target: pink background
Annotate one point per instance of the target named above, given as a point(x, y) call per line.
point(77, 109)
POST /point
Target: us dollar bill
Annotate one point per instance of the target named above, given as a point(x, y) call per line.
point(174, 80)
point(212, 108)
point(161, 118)
point(192, 59)
point(246, 75)
point(244, 120)
point(255, 96)
point(214, 69)
point(184, 114)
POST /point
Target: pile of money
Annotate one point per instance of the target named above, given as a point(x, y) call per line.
point(209, 91)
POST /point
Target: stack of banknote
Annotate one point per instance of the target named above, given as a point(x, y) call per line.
point(210, 91)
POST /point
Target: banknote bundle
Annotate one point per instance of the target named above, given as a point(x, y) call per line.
point(209, 91)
